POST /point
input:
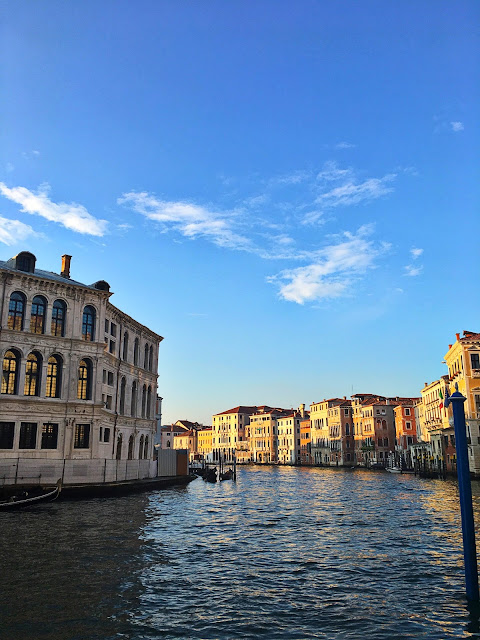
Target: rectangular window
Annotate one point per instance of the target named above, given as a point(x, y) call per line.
point(108, 402)
point(82, 436)
point(49, 435)
point(104, 378)
point(106, 434)
point(28, 435)
point(107, 324)
point(408, 425)
point(113, 329)
point(407, 411)
point(7, 430)
point(110, 378)
point(111, 346)
point(475, 360)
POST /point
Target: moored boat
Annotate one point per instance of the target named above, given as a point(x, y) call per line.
point(394, 469)
point(31, 497)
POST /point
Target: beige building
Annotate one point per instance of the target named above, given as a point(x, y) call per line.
point(187, 440)
point(264, 434)
point(230, 434)
point(79, 379)
point(288, 437)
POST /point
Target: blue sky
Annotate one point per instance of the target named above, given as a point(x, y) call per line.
point(287, 192)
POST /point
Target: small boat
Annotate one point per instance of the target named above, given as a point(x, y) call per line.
point(210, 475)
point(31, 497)
point(394, 469)
point(227, 475)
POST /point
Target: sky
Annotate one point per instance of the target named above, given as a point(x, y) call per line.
point(286, 192)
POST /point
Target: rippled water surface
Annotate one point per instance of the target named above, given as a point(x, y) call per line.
point(281, 553)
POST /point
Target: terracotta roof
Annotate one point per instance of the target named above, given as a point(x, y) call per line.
point(243, 409)
point(470, 335)
point(190, 432)
point(172, 427)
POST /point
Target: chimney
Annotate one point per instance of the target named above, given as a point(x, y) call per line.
point(457, 335)
point(449, 347)
point(65, 272)
point(425, 384)
point(301, 410)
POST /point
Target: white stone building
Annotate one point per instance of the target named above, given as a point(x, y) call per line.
point(79, 382)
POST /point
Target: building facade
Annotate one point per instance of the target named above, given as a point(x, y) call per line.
point(79, 381)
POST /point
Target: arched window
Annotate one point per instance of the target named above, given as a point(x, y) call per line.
point(150, 359)
point(136, 347)
point(145, 448)
point(16, 311)
point(125, 346)
point(88, 324)
point(118, 455)
point(131, 442)
point(144, 400)
point(33, 368)
point(145, 358)
point(133, 402)
point(168, 444)
point(54, 377)
point(123, 384)
point(37, 317)
point(59, 314)
point(149, 403)
point(11, 368)
point(84, 387)
point(140, 448)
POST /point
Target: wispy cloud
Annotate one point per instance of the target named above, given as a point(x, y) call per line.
point(457, 126)
point(413, 270)
point(72, 216)
point(416, 252)
point(13, 231)
point(352, 192)
point(345, 145)
point(191, 220)
point(34, 153)
point(333, 270)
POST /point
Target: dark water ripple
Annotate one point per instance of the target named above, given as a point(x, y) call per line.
point(283, 553)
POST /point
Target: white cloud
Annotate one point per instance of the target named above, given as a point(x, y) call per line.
point(351, 193)
point(331, 172)
point(413, 270)
point(457, 126)
point(190, 220)
point(333, 271)
point(283, 240)
point(313, 217)
point(14, 231)
point(416, 253)
point(72, 216)
point(345, 145)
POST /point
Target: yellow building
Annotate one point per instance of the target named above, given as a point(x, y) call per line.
point(463, 362)
point(204, 442)
point(321, 445)
point(288, 437)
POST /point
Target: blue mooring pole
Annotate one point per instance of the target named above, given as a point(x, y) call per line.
point(465, 491)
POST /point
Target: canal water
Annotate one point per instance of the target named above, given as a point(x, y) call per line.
point(283, 553)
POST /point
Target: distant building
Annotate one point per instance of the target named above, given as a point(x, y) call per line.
point(204, 443)
point(167, 434)
point(305, 441)
point(288, 437)
point(230, 433)
point(264, 434)
point(405, 430)
point(79, 380)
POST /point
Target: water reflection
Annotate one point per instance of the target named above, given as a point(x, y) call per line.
point(282, 553)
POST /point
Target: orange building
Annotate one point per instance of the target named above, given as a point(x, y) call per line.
point(305, 441)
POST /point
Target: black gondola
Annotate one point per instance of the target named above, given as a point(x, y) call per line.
point(31, 497)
